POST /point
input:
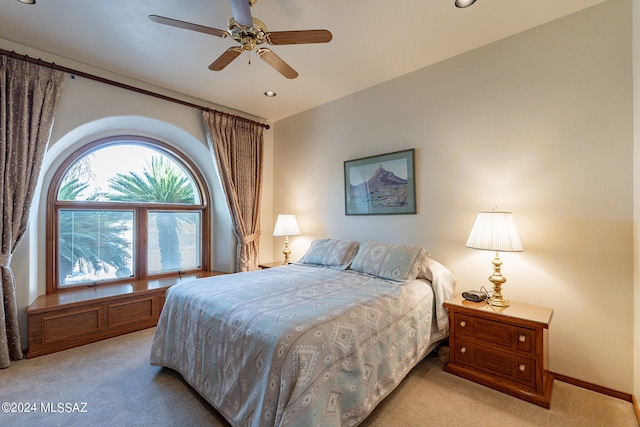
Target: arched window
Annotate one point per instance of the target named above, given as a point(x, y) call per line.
point(125, 208)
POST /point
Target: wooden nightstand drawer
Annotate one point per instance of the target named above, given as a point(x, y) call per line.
point(505, 335)
point(500, 363)
point(493, 332)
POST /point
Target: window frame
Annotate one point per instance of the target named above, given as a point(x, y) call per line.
point(140, 214)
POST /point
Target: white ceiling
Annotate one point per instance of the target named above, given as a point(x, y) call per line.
point(373, 41)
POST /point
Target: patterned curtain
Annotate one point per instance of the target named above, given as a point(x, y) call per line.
point(29, 95)
point(238, 146)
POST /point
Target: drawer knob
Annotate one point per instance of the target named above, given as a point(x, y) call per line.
point(463, 323)
point(522, 338)
point(522, 368)
point(463, 350)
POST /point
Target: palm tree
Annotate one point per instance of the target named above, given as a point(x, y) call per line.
point(161, 183)
point(90, 240)
point(164, 183)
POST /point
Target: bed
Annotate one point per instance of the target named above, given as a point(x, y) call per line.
point(316, 343)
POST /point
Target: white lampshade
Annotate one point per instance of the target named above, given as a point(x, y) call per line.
point(286, 225)
point(494, 231)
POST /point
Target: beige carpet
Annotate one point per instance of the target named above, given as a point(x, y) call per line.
point(119, 387)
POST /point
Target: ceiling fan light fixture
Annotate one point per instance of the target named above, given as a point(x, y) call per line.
point(270, 94)
point(464, 3)
point(27, 1)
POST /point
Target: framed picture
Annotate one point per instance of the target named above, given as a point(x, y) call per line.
point(380, 185)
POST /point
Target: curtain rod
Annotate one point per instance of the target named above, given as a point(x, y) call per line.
point(54, 66)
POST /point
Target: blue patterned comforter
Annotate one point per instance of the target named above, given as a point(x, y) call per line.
point(297, 345)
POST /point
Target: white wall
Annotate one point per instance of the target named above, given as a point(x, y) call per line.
point(89, 110)
point(541, 124)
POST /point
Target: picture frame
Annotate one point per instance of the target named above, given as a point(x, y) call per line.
point(380, 185)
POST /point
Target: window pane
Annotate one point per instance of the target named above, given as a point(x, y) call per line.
point(173, 241)
point(131, 173)
point(94, 245)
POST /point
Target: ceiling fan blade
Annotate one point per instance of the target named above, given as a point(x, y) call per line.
point(226, 58)
point(298, 37)
point(242, 12)
point(277, 63)
point(188, 26)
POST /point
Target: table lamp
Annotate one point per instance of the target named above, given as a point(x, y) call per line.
point(286, 226)
point(495, 231)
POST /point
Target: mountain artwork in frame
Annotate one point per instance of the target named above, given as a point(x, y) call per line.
point(380, 185)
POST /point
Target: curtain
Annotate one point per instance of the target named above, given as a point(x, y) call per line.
point(29, 95)
point(238, 149)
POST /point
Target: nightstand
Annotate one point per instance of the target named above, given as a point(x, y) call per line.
point(266, 265)
point(502, 348)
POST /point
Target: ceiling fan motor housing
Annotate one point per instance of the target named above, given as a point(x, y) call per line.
point(248, 37)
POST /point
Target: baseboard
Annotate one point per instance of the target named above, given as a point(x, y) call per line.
point(636, 409)
point(599, 389)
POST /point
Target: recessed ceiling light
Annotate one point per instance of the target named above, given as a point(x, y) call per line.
point(464, 3)
point(270, 93)
point(28, 1)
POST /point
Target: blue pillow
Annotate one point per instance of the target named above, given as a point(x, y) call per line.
point(331, 253)
point(392, 262)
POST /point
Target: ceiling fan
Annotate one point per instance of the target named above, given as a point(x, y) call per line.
point(250, 32)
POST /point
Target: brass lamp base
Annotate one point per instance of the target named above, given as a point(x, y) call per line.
point(286, 251)
point(498, 301)
point(498, 280)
